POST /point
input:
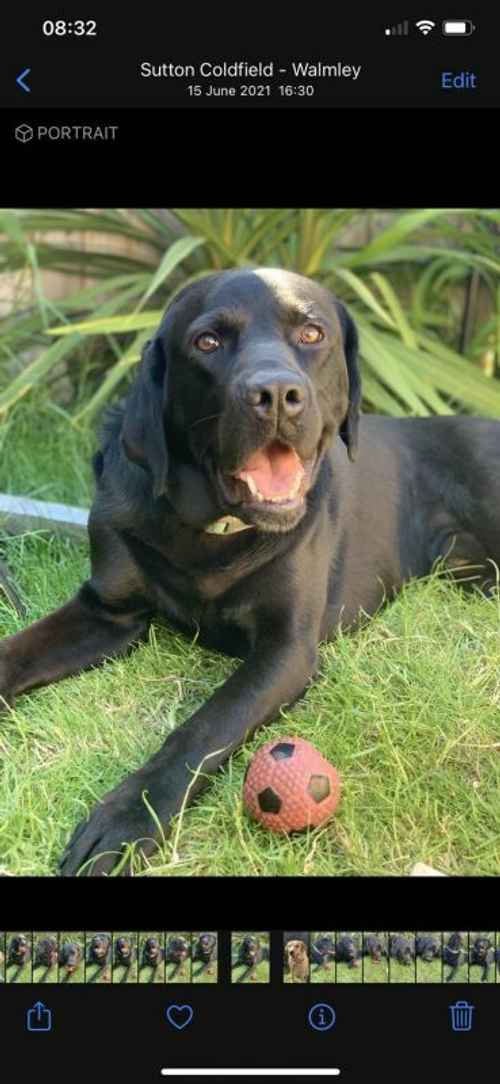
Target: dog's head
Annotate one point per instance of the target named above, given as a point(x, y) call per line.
point(429, 948)
point(19, 947)
point(250, 947)
point(250, 376)
point(482, 946)
point(374, 948)
point(178, 949)
point(124, 948)
point(70, 955)
point(207, 943)
point(152, 948)
point(325, 945)
point(99, 946)
point(296, 952)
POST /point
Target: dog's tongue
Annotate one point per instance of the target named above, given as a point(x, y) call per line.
point(274, 471)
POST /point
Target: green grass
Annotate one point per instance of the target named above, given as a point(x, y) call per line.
point(322, 975)
point(261, 974)
point(407, 709)
point(430, 970)
point(376, 972)
point(402, 973)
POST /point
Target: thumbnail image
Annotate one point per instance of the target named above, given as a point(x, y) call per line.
point(125, 965)
point(482, 957)
point(322, 957)
point(18, 962)
point(2, 957)
point(72, 957)
point(204, 957)
point(152, 957)
point(429, 957)
point(45, 957)
point(178, 957)
point(250, 957)
point(455, 957)
point(296, 947)
point(98, 957)
point(375, 957)
point(348, 957)
point(402, 957)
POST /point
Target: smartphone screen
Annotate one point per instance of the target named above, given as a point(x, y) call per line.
point(249, 544)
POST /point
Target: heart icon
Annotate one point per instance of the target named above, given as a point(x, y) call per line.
point(179, 1016)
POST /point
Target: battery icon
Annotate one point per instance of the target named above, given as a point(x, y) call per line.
point(455, 28)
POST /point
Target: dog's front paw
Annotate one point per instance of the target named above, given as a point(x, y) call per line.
point(101, 844)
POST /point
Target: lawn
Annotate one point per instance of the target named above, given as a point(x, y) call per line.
point(430, 970)
point(376, 972)
point(407, 709)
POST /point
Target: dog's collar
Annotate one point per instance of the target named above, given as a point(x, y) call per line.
point(226, 525)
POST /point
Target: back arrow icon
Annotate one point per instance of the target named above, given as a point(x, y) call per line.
point(20, 79)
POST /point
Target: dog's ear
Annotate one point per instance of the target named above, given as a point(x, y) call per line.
point(349, 428)
point(143, 432)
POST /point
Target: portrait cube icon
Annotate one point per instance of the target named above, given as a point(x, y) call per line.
point(24, 132)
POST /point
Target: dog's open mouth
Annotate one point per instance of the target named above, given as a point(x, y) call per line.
point(274, 474)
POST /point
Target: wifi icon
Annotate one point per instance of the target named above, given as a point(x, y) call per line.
point(425, 26)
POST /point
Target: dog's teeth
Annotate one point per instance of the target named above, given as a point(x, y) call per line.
point(251, 485)
point(281, 499)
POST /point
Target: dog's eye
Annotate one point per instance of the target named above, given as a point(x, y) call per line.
point(207, 342)
point(311, 334)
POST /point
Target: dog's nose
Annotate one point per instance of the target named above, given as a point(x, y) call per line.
point(283, 397)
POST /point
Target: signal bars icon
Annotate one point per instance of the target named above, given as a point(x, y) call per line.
point(400, 28)
point(403, 29)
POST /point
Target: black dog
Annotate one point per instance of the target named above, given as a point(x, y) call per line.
point(178, 953)
point(153, 954)
point(228, 501)
point(482, 954)
point(374, 947)
point(19, 952)
point(323, 952)
point(454, 954)
point(250, 955)
point(401, 949)
point(427, 947)
point(70, 957)
point(46, 954)
point(99, 950)
point(124, 952)
point(347, 951)
point(250, 952)
point(205, 950)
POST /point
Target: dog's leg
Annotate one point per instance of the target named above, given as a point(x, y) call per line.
point(78, 635)
point(276, 673)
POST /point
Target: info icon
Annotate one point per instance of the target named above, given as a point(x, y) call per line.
point(24, 133)
point(321, 1017)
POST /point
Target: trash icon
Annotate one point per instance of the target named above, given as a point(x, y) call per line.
point(461, 1016)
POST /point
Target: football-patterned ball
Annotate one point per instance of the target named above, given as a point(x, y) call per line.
point(290, 787)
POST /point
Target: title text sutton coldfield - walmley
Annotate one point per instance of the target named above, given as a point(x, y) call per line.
point(241, 69)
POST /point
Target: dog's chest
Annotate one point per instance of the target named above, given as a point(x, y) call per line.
point(219, 623)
